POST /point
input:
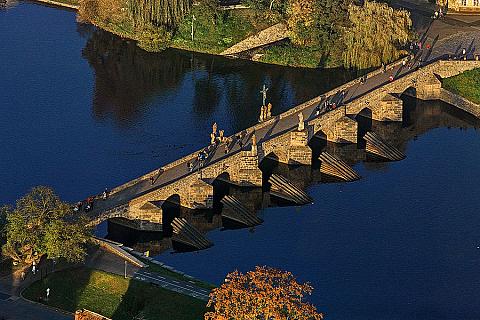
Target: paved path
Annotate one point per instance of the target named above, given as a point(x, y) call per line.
point(441, 42)
point(109, 262)
point(183, 287)
point(18, 309)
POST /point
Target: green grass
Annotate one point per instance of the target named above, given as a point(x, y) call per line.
point(231, 26)
point(155, 268)
point(466, 84)
point(289, 55)
point(113, 296)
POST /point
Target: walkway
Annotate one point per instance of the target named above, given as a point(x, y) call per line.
point(289, 122)
point(270, 35)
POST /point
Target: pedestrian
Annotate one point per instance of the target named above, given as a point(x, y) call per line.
point(404, 62)
point(34, 268)
point(384, 68)
point(427, 46)
point(435, 15)
point(189, 166)
point(226, 149)
point(105, 194)
point(390, 78)
point(152, 179)
point(23, 275)
point(48, 292)
point(317, 110)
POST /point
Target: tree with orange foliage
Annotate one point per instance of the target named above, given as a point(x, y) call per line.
point(265, 293)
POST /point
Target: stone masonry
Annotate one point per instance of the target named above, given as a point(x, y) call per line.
point(195, 190)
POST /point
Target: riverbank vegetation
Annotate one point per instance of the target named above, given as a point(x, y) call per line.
point(41, 224)
point(466, 84)
point(321, 33)
point(113, 296)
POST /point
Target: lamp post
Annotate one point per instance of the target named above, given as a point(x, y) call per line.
point(193, 20)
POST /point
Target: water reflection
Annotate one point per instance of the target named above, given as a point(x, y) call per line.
point(128, 79)
point(419, 117)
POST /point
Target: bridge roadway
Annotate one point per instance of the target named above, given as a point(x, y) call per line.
point(353, 90)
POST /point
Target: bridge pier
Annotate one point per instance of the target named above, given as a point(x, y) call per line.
point(429, 87)
point(199, 196)
point(299, 152)
point(345, 130)
point(390, 108)
point(249, 173)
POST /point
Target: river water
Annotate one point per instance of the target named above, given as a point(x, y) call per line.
point(83, 110)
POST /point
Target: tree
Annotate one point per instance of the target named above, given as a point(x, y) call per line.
point(263, 294)
point(376, 36)
point(278, 6)
point(42, 224)
point(317, 22)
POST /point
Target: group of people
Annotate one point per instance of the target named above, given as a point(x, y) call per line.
point(438, 14)
point(87, 204)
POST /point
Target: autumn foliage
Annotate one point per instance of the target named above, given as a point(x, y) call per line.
point(263, 294)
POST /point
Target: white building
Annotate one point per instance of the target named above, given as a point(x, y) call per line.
point(464, 6)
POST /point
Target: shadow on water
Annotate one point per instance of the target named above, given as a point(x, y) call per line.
point(419, 117)
point(128, 81)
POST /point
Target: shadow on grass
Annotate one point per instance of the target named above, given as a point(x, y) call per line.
point(113, 296)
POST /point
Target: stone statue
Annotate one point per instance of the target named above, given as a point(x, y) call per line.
point(212, 138)
point(269, 110)
point(214, 129)
point(301, 122)
point(254, 144)
point(264, 94)
point(221, 133)
point(262, 114)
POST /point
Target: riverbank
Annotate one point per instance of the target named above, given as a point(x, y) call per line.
point(70, 4)
point(112, 296)
point(466, 85)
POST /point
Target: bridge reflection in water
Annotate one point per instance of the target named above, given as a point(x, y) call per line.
point(418, 118)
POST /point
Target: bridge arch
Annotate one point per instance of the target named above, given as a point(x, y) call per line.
point(171, 209)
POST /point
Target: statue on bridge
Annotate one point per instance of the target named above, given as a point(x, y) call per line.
point(265, 112)
point(264, 94)
point(301, 122)
point(254, 144)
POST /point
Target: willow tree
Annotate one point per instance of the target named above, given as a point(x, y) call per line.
point(158, 13)
point(376, 35)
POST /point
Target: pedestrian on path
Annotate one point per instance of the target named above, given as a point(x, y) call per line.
point(48, 293)
point(23, 275)
point(34, 267)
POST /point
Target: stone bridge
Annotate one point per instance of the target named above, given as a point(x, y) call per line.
point(283, 138)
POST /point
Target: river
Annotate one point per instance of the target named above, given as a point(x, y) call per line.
point(83, 110)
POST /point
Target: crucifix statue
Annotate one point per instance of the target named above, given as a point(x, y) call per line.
point(264, 94)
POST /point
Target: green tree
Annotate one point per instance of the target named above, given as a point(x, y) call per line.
point(279, 6)
point(42, 224)
point(376, 35)
point(317, 22)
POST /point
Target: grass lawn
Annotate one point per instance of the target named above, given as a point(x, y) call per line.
point(113, 296)
point(231, 27)
point(466, 84)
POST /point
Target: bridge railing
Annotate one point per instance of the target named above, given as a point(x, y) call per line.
point(257, 127)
